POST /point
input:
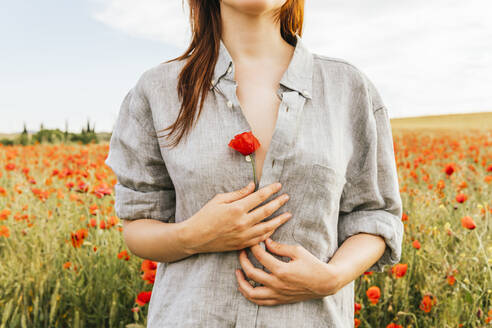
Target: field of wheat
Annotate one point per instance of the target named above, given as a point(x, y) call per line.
point(64, 262)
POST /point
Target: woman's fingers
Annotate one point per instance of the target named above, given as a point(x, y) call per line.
point(257, 240)
point(264, 228)
point(236, 194)
point(281, 249)
point(255, 273)
point(275, 266)
point(254, 293)
point(252, 200)
point(266, 210)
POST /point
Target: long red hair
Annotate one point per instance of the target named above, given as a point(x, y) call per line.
point(202, 53)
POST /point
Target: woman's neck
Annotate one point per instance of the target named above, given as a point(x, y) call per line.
point(253, 38)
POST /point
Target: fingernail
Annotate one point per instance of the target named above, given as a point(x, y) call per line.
point(269, 240)
point(251, 184)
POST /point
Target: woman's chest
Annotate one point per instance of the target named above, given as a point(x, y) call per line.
point(302, 133)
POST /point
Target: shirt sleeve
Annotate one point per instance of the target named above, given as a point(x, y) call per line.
point(370, 201)
point(143, 189)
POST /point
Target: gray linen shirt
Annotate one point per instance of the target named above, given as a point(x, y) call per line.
point(332, 150)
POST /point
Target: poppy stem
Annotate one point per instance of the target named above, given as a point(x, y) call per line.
point(254, 172)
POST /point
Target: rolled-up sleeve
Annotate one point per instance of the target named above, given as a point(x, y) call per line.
point(143, 189)
point(370, 201)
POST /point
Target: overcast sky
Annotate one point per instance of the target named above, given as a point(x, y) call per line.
point(75, 60)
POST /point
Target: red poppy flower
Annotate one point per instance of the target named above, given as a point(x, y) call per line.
point(245, 143)
point(124, 255)
point(449, 169)
point(373, 294)
point(467, 222)
point(460, 198)
point(143, 298)
point(4, 231)
point(149, 276)
point(148, 265)
point(393, 325)
point(399, 269)
point(427, 302)
point(78, 237)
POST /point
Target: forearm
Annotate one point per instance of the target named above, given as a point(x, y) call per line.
point(155, 240)
point(356, 254)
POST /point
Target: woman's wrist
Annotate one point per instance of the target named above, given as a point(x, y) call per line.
point(186, 237)
point(329, 283)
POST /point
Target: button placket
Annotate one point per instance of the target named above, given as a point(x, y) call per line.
point(286, 134)
point(283, 139)
point(281, 147)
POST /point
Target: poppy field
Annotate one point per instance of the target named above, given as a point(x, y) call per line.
point(64, 262)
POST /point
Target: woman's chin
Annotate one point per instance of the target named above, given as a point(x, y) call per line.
point(254, 7)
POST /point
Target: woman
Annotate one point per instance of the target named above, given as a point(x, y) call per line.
point(325, 136)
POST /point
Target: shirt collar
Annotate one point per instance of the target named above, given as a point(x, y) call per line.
point(298, 76)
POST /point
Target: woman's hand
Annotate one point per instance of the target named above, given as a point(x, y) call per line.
point(232, 221)
point(304, 277)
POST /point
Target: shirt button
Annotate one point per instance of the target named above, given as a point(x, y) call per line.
point(213, 82)
point(247, 158)
point(229, 104)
